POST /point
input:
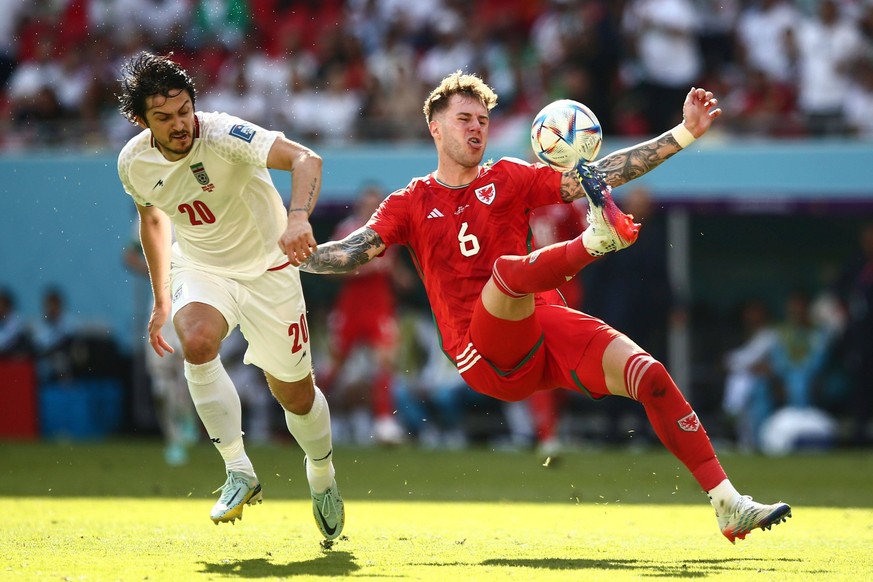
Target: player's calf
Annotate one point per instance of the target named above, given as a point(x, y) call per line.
point(542, 270)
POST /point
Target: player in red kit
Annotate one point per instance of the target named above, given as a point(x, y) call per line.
point(466, 226)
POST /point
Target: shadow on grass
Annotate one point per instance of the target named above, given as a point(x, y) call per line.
point(651, 568)
point(333, 564)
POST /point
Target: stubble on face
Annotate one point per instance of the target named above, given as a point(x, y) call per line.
point(464, 131)
point(171, 121)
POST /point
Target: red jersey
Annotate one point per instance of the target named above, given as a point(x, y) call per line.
point(456, 233)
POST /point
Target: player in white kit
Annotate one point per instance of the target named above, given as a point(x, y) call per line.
point(234, 262)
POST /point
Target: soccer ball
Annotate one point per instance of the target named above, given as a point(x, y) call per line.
point(564, 133)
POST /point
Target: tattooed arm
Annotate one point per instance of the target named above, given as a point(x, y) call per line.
point(698, 112)
point(346, 255)
point(297, 241)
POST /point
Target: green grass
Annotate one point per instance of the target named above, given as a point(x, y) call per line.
point(114, 511)
point(135, 468)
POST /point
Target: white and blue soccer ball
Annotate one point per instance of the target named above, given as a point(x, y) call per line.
point(564, 133)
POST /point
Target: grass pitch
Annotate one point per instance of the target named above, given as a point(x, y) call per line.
point(115, 512)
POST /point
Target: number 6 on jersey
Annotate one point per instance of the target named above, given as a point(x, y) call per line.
point(469, 242)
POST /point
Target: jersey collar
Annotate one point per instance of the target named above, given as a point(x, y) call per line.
point(462, 186)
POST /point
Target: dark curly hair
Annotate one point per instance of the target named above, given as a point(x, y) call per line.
point(147, 74)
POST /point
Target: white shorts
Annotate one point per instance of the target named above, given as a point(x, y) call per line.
point(270, 312)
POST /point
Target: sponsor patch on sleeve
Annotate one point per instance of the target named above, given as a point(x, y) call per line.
point(244, 132)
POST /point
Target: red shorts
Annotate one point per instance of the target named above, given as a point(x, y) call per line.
point(557, 347)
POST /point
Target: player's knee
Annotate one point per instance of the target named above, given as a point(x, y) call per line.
point(199, 346)
point(504, 275)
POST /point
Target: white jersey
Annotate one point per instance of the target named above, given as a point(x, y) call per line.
point(227, 214)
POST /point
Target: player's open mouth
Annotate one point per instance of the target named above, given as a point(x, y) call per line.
point(475, 142)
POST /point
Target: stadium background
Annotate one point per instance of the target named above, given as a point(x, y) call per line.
point(750, 211)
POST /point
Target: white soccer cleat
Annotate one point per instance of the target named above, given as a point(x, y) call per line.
point(609, 228)
point(238, 490)
point(747, 515)
point(329, 511)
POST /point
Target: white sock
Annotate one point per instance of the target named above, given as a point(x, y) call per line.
point(723, 497)
point(312, 433)
point(217, 403)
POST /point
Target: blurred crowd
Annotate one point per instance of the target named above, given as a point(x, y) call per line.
point(335, 71)
point(802, 367)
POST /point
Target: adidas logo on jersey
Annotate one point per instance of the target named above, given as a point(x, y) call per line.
point(435, 214)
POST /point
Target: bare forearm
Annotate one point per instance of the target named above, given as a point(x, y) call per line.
point(346, 255)
point(624, 165)
point(306, 184)
point(305, 166)
point(698, 112)
point(155, 236)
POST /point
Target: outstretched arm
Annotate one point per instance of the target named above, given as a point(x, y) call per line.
point(698, 112)
point(346, 255)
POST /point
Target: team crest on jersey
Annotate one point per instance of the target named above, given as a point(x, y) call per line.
point(486, 194)
point(202, 177)
point(243, 132)
point(689, 423)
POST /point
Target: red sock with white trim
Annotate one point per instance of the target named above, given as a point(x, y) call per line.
point(542, 270)
point(672, 418)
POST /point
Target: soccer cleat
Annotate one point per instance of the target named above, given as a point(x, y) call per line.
point(329, 512)
point(748, 515)
point(609, 228)
point(238, 490)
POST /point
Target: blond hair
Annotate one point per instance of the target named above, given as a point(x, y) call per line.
point(458, 83)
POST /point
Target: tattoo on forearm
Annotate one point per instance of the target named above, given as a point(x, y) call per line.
point(307, 206)
point(624, 165)
point(343, 256)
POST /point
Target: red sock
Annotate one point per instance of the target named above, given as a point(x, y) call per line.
point(675, 423)
point(383, 403)
point(542, 270)
point(544, 410)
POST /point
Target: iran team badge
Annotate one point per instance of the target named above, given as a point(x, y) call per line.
point(486, 194)
point(200, 173)
point(689, 423)
point(202, 177)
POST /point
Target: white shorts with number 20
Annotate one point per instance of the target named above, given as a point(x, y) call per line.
point(270, 311)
